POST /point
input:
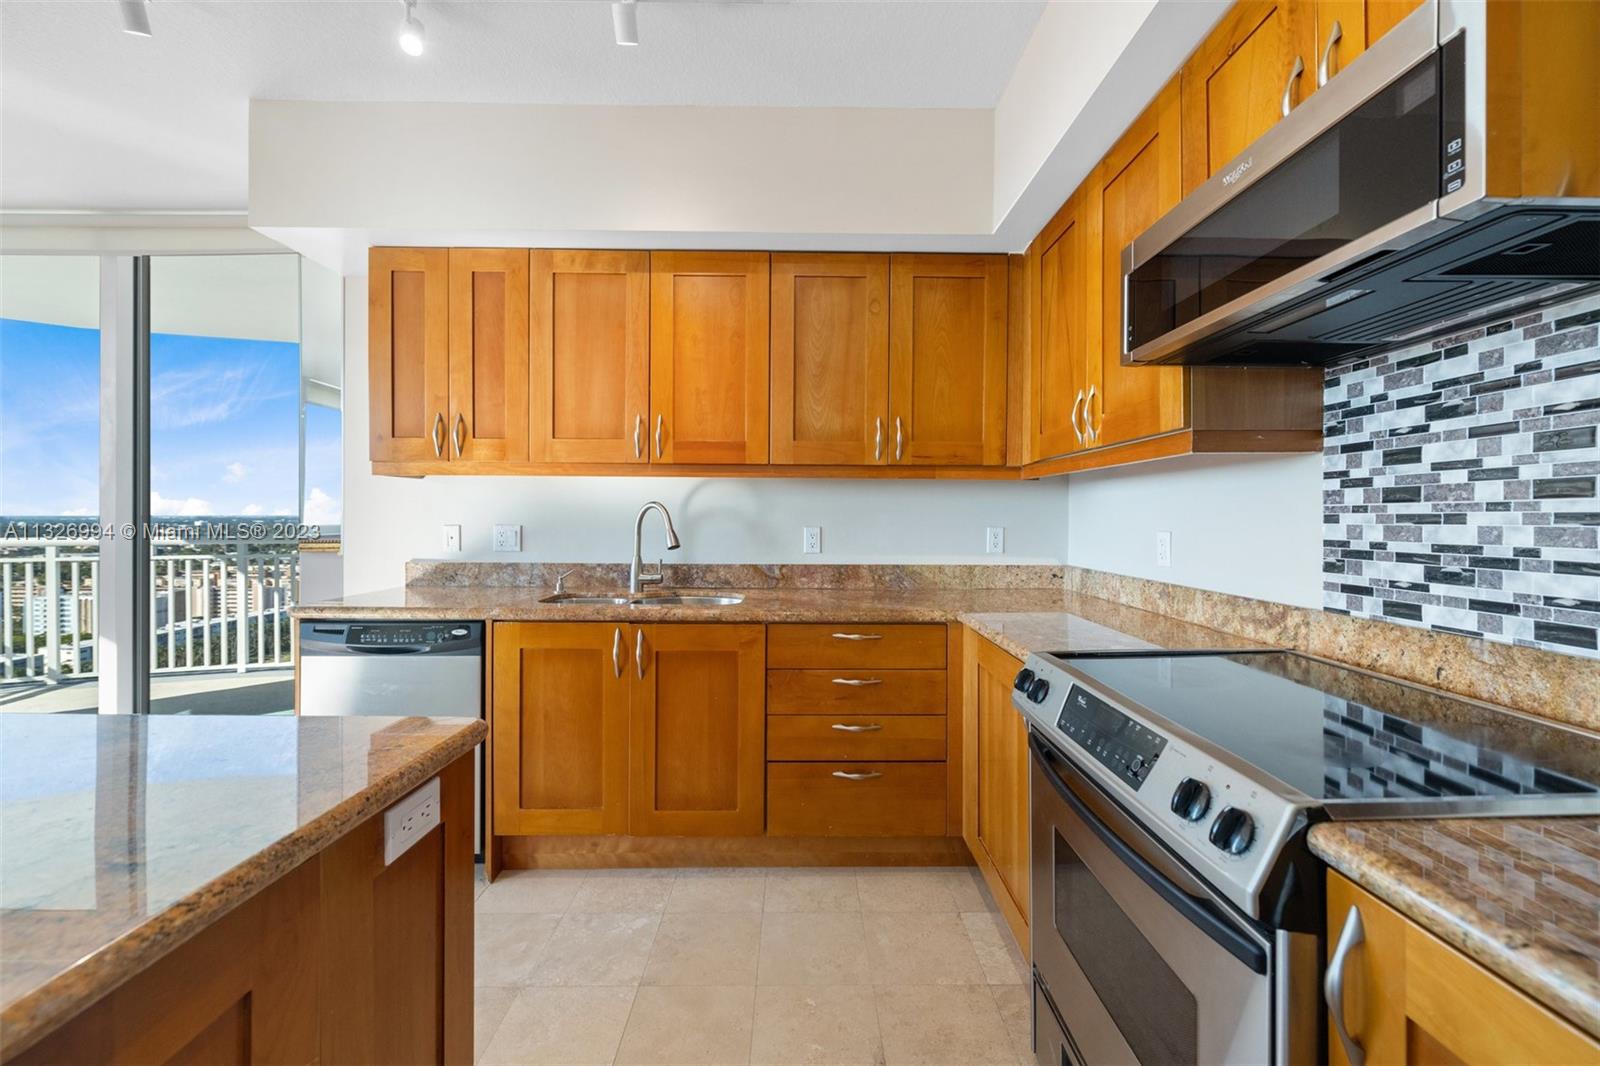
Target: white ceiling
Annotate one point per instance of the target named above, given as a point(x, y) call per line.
point(92, 118)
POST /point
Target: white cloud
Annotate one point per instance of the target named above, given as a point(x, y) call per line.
point(235, 474)
point(78, 512)
point(252, 509)
point(321, 509)
point(189, 505)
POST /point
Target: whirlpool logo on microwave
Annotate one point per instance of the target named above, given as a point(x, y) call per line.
point(1238, 172)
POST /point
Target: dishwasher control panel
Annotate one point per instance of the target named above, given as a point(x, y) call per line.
point(392, 635)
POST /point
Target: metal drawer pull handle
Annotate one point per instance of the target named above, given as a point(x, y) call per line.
point(658, 436)
point(858, 636)
point(864, 775)
point(438, 435)
point(843, 728)
point(899, 439)
point(616, 652)
point(460, 433)
point(1288, 86)
point(858, 682)
point(638, 436)
point(1089, 431)
point(1333, 985)
point(1336, 32)
point(877, 438)
point(638, 653)
point(1073, 418)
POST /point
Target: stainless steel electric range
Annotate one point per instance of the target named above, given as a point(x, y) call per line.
point(1177, 913)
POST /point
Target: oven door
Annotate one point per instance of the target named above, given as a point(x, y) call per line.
point(1142, 962)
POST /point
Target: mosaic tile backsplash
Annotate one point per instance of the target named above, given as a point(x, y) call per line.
point(1459, 482)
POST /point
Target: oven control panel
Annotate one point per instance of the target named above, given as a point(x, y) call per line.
point(1115, 740)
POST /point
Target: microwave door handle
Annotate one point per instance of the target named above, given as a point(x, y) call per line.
point(1202, 914)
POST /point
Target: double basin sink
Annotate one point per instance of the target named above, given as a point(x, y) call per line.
point(644, 599)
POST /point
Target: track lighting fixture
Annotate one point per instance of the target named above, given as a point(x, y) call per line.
point(625, 21)
point(411, 39)
point(135, 17)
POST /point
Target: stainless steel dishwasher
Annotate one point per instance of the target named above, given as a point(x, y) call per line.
point(396, 668)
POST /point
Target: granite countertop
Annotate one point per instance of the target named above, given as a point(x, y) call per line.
point(1521, 896)
point(125, 835)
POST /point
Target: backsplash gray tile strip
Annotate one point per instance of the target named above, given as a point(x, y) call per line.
point(1460, 480)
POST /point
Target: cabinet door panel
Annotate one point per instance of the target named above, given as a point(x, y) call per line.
point(830, 358)
point(995, 824)
point(408, 346)
point(590, 346)
point(1064, 353)
point(1233, 85)
point(561, 728)
point(698, 735)
point(489, 354)
point(708, 356)
point(1136, 184)
point(947, 360)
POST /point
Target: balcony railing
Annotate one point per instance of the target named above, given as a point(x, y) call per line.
point(213, 606)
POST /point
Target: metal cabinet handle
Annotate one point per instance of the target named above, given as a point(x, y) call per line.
point(857, 775)
point(459, 436)
point(438, 435)
point(638, 653)
point(899, 439)
point(845, 728)
point(1298, 69)
point(1333, 985)
point(1336, 32)
point(877, 438)
point(658, 436)
point(858, 682)
point(638, 436)
point(1089, 432)
point(616, 652)
point(858, 636)
point(1074, 417)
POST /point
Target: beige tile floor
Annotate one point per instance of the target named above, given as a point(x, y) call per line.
point(782, 966)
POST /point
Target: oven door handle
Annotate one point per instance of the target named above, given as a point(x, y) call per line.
point(1203, 914)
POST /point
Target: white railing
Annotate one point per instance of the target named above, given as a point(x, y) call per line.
point(213, 606)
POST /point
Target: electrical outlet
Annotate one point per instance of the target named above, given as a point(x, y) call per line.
point(1163, 548)
point(507, 538)
point(409, 820)
point(811, 540)
point(452, 538)
point(995, 541)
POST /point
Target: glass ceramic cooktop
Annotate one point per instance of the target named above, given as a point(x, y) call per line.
point(1339, 734)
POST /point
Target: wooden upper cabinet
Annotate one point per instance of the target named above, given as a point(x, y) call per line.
point(1234, 83)
point(1136, 184)
point(560, 726)
point(830, 359)
point(947, 360)
point(708, 356)
point(1064, 355)
point(1346, 28)
point(489, 354)
point(698, 746)
point(408, 345)
point(590, 347)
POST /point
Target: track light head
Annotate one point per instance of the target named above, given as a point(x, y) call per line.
point(625, 21)
point(135, 17)
point(412, 41)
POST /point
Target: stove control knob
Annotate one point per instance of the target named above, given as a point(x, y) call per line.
point(1024, 679)
point(1038, 690)
point(1233, 831)
point(1191, 800)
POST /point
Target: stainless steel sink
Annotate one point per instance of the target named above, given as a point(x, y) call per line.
point(659, 599)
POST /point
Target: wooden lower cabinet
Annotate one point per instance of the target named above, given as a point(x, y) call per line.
point(995, 810)
point(1411, 998)
point(343, 959)
point(856, 799)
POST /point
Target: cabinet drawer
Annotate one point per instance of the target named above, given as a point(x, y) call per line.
point(843, 645)
point(910, 737)
point(856, 692)
point(805, 799)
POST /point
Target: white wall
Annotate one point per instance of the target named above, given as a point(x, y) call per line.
point(570, 519)
point(1248, 525)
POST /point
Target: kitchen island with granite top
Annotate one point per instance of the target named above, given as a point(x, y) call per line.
point(217, 889)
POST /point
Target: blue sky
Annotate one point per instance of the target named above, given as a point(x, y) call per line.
point(224, 426)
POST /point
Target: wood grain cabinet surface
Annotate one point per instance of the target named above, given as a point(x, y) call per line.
point(995, 807)
point(1409, 997)
point(408, 345)
point(488, 418)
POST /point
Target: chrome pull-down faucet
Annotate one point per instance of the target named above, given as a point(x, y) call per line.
point(637, 578)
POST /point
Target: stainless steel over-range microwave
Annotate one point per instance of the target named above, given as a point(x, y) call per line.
point(1450, 174)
